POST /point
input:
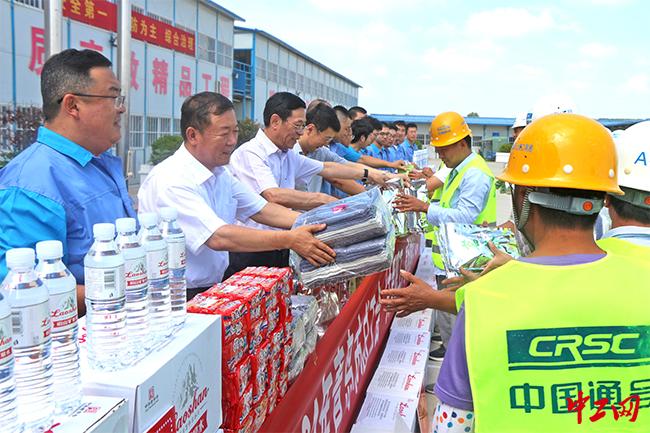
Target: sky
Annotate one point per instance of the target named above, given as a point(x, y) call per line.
point(495, 58)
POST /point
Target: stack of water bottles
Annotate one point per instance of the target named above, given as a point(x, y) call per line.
point(135, 289)
point(39, 353)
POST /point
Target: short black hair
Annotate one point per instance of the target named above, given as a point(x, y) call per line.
point(399, 123)
point(316, 102)
point(411, 125)
point(565, 220)
point(67, 72)
point(629, 211)
point(342, 112)
point(361, 128)
point(282, 104)
point(376, 124)
point(391, 126)
point(198, 109)
point(323, 117)
point(357, 109)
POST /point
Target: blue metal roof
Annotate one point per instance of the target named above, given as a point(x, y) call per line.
point(487, 121)
point(239, 29)
point(492, 121)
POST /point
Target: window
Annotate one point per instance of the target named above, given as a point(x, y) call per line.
point(177, 126)
point(165, 124)
point(283, 76)
point(164, 20)
point(33, 3)
point(206, 48)
point(260, 68)
point(292, 80)
point(300, 83)
point(224, 54)
point(137, 9)
point(135, 132)
point(152, 130)
point(273, 72)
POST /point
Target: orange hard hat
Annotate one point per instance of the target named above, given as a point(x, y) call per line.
point(448, 128)
point(564, 151)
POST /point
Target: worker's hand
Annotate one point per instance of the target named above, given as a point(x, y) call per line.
point(303, 242)
point(378, 177)
point(508, 225)
point(399, 164)
point(416, 174)
point(455, 283)
point(407, 203)
point(500, 258)
point(406, 181)
point(414, 297)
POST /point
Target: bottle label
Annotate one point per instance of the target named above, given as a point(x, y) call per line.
point(104, 284)
point(31, 325)
point(63, 310)
point(135, 273)
point(6, 342)
point(176, 255)
point(158, 264)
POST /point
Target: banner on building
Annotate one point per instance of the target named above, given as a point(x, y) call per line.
point(103, 14)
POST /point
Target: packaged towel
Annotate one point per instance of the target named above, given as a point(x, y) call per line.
point(466, 245)
point(350, 220)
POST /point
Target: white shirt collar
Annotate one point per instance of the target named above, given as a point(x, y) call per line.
point(198, 172)
point(267, 145)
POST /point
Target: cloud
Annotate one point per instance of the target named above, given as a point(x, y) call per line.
point(597, 50)
point(508, 22)
point(639, 83)
point(463, 58)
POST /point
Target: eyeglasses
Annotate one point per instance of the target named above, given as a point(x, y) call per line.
point(118, 100)
point(299, 127)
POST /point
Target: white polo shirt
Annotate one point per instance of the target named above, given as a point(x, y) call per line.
point(205, 200)
point(260, 165)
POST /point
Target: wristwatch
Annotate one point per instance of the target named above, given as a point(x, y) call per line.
point(364, 179)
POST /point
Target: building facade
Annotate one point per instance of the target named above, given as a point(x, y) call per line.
point(265, 65)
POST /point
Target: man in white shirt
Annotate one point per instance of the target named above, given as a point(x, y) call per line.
point(268, 166)
point(209, 199)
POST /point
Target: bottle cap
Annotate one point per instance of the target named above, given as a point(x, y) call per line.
point(20, 258)
point(104, 231)
point(148, 219)
point(48, 250)
point(125, 225)
point(168, 213)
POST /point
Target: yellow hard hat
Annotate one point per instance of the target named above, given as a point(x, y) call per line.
point(448, 128)
point(564, 151)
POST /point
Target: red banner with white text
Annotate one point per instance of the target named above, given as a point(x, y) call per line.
point(329, 392)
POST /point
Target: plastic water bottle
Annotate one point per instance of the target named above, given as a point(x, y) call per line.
point(30, 316)
point(8, 413)
point(137, 288)
point(160, 305)
point(105, 301)
point(175, 238)
point(62, 288)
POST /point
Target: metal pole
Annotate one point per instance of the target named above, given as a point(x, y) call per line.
point(53, 24)
point(124, 75)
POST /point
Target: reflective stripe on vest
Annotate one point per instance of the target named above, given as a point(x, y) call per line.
point(489, 211)
point(536, 335)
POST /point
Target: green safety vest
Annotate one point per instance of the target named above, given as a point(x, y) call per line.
point(536, 335)
point(489, 212)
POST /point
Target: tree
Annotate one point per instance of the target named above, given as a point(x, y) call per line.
point(473, 114)
point(164, 147)
point(247, 130)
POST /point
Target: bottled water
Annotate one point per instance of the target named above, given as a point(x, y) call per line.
point(175, 238)
point(158, 272)
point(30, 319)
point(105, 301)
point(8, 413)
point(62, 288)
point(137, 288)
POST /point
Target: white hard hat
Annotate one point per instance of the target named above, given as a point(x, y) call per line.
point(552, 104)
point(633, 148)
point(522, 119)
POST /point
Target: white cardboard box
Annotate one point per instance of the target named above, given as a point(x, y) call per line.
point(385, 412)
point(95, 415)
point(416, 339)
point(396, 382)
point(180, 381)
point(405, 358)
